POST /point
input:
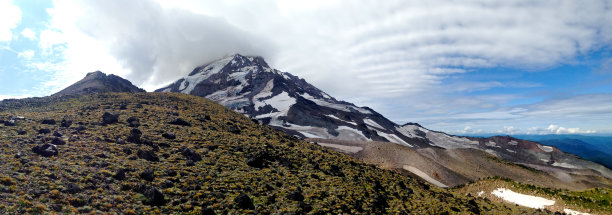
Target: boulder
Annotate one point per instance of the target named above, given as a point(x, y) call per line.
point(191, 155)
point(45, 150)
point(65, 123)
point(180, 122)
point(147, 155)
point(48, 121)
point(109, 118)
point(133, 122)
point(243, 201)
point(58, 141)
point(135, 135)
point(147, 175)
point(154, 196)
point(169, 135)
point(44, 131)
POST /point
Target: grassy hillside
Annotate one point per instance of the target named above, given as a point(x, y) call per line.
point(173, 153)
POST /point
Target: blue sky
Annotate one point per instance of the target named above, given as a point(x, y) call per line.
point(465, 67)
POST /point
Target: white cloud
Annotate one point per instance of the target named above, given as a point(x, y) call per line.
point(587, 113)
point(3, 97)
point(29, 33)
point(395, 56)
point(10, 16)
point(27, 54)
point(555, 129)
point(392, 48)
point(140, 41)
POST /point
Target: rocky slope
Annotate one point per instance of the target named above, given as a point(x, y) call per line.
point(98, 82)
point(249, 86)
point(163, 153)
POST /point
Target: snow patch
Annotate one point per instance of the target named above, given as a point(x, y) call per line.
point(266, 92)
point(512, 142)
point(342, 107)
point(394, 138)
point(545, 148)
point(573, 212)
point(565, 165)
point(373, 123)
point(335, 117)
point(411, 131)
point(522, 199)
point(350, 133)
point(510, 150)
point(450, 142)
point(191, 81)
point(281, 102)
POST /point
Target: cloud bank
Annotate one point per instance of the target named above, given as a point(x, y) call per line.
point(405, 59)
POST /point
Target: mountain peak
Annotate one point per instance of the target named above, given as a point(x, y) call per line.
point(95, 74)
point(99, 82)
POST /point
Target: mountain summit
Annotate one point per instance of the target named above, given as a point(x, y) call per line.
point(98, 82)
point(248, 85)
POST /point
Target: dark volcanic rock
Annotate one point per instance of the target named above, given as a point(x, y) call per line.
point(21, 132)
point(45, 150)
point(109, 118)
point(147, 175)
point(57, 134)
point(133, 122)
point(243, 201)
point(72, 188)
point(295, 196)
point(179, 121)
point(48, 121)
point(10, 122)
point(147, 155)
point(258, 161)
point(191, 155)
point(120, 174)
point(154, 196)
point(135, 135)
point(66, 123)
point(58, 141)
point(44, 131)
point(169, 135)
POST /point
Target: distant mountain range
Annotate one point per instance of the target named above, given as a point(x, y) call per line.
point(248, 85)
point(594, 148)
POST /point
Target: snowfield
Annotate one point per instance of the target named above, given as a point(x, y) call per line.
point(191, 81)
point(394, 138)
point(372, 123)
point(522, 199)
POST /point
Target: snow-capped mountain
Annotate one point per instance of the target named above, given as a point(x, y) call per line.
point(248, 85)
